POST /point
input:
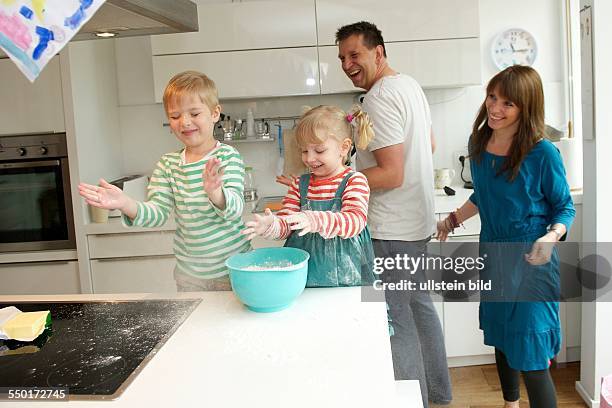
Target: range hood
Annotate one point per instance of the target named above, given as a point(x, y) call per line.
point(129, 18)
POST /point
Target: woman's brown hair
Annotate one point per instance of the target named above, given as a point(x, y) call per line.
point(522, 86)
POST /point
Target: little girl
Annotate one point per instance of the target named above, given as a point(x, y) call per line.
point(325, 210)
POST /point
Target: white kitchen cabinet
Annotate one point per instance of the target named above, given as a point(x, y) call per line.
point(134, 275)
point(40, 278)
point(131, 244)
point(244, 26)
point(400, 20)
point(31, 107)
point(571, 312)
point(132, 262)
point(434, 64)
point(247, 74)
point(463, 338)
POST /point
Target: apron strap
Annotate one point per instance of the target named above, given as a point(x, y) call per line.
point(304, 183)
point(343, 184)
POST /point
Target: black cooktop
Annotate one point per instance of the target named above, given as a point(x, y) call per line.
point(92, 348)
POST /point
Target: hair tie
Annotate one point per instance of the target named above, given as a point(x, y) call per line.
point(350, 117)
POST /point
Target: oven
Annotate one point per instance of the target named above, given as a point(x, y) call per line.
point(35, 201)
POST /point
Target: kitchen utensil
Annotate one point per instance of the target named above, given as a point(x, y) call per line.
point(268, 279)
point(262, 129)
point(466, 183)
point(443, 177)
point(280, 165)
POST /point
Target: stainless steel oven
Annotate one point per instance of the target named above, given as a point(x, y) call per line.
point(35, 202)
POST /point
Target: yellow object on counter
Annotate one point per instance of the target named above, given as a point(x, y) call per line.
point(26, 326)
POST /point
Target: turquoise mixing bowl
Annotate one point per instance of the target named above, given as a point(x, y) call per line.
point(268, 279)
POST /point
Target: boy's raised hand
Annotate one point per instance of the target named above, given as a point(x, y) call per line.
point(260, 225)
point(212, 178)
point(103, 196)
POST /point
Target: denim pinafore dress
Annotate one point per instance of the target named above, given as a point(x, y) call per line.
point(334, 261)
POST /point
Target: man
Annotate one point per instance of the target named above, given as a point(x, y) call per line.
point(399, 167)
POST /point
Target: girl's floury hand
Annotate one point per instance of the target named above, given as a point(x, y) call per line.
point(261, 225)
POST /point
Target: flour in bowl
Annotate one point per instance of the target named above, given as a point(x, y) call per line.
point(271, 266)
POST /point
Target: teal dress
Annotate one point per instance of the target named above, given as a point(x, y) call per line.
point(520, 316)
point(334, 261)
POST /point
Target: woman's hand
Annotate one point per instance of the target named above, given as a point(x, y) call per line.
point(304, 222)
point(105, 195)
point(444, 229)
point(260, 225)
point(286, 180)
point(541, 250)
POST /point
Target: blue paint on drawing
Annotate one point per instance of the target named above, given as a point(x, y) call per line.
point(23, 58)
point(75, 20)
point(44, 36)
point(26, 12)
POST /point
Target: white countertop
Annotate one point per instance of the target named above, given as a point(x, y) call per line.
point(328, 349)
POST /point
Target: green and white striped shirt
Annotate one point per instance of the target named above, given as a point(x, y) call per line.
point(205, 235)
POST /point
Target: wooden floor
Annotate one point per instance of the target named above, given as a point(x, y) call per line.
point(478, 387)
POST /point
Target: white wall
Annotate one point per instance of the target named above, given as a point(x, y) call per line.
point(453, 110)
point(96, 113)
point(596, 329)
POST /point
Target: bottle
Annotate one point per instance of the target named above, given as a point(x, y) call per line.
point(238, 133)
point(250, 121)
point(250, 192)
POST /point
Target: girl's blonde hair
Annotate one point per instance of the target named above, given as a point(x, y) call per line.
point(191, 83)
point(324, 121)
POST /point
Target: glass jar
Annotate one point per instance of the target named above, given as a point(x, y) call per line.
point(250, 191)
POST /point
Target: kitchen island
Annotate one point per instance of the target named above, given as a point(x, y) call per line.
point(328, 349)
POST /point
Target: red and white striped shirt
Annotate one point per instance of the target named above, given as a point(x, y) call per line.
point(347, 223)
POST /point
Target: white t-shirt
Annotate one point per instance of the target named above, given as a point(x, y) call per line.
point(400, 113)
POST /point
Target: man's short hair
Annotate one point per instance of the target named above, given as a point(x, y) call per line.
point(371, 34)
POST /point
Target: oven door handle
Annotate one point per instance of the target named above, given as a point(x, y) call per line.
point(25, 165)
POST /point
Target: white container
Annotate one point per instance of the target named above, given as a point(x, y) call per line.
point(250, 121)
point(133, 186)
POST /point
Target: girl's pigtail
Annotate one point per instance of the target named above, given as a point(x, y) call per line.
point(364, 133)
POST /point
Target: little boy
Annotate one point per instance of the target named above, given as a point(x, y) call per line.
point(202, 184)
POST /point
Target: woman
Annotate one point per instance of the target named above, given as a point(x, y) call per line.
point(524, 202)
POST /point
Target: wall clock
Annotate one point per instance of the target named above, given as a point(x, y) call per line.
point(514, 47)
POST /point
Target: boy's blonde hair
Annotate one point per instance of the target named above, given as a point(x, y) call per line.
point(191, 82)
point(324, 121)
